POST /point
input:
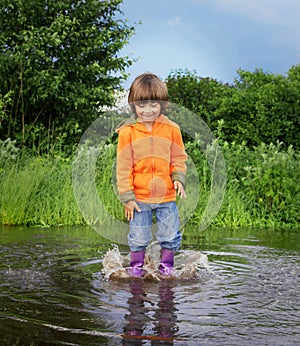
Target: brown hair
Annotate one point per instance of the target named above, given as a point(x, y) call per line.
point(148, 87)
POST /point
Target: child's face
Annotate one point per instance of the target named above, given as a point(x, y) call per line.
point(147, 111)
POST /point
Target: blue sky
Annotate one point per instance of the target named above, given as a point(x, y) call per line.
point(213, 37)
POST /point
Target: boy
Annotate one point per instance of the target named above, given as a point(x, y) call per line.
point(150, 170)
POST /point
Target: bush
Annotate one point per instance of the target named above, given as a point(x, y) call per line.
point(258, 107)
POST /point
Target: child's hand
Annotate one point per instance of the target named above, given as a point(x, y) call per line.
point(180, 189)
point(129, 209)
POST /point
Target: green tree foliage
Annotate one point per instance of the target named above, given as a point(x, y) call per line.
point(258, 107)
point(60, 60)
point(200, 95)
point(263, 108)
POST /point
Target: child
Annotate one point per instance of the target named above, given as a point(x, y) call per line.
point(150, 170)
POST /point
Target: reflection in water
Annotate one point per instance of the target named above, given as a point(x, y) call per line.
point(166, 315)
point(136, 308)
point(137, 319)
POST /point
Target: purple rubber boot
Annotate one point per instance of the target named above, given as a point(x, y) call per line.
point(136, 263)
point(167, 262)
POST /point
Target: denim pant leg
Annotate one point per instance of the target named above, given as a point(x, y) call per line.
point(140, 228)
point(168, 224)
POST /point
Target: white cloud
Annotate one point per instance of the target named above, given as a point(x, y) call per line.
point(174, 21)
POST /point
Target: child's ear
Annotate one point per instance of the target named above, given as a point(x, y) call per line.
point(164, 105)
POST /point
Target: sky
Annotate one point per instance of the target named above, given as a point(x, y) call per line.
point(213, 38)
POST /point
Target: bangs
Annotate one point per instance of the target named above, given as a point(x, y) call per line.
point(148, 87)
point(149, 92)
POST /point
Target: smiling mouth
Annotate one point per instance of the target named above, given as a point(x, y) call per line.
point(148, 115)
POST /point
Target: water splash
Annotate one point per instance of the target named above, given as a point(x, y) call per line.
point(188, 264)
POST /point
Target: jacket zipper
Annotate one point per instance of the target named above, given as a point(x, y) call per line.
point(152, 164)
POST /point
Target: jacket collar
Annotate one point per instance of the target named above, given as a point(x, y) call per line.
point(132, 121)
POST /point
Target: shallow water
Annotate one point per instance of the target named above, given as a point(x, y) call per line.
point(53, 291)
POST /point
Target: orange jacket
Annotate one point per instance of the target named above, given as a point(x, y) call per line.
point(149, 162)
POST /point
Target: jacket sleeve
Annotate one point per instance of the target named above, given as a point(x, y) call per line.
point(178, 158)
point(124, 166)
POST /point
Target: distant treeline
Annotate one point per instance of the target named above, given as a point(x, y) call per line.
point(258, 107)
point(61, 65)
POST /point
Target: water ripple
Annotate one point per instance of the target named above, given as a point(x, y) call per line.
point(52, 289)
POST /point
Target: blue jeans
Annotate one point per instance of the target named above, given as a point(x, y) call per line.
point(167, 219)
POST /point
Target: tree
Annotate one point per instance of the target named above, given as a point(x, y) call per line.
point(60, 62)
point(263, 107)
point(200, 95)
point(258, 107)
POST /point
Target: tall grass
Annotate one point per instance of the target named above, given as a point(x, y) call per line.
point(37, 191)
point(262, 187)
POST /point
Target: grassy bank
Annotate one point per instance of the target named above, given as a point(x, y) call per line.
point(37, 191)
point(262, 187)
